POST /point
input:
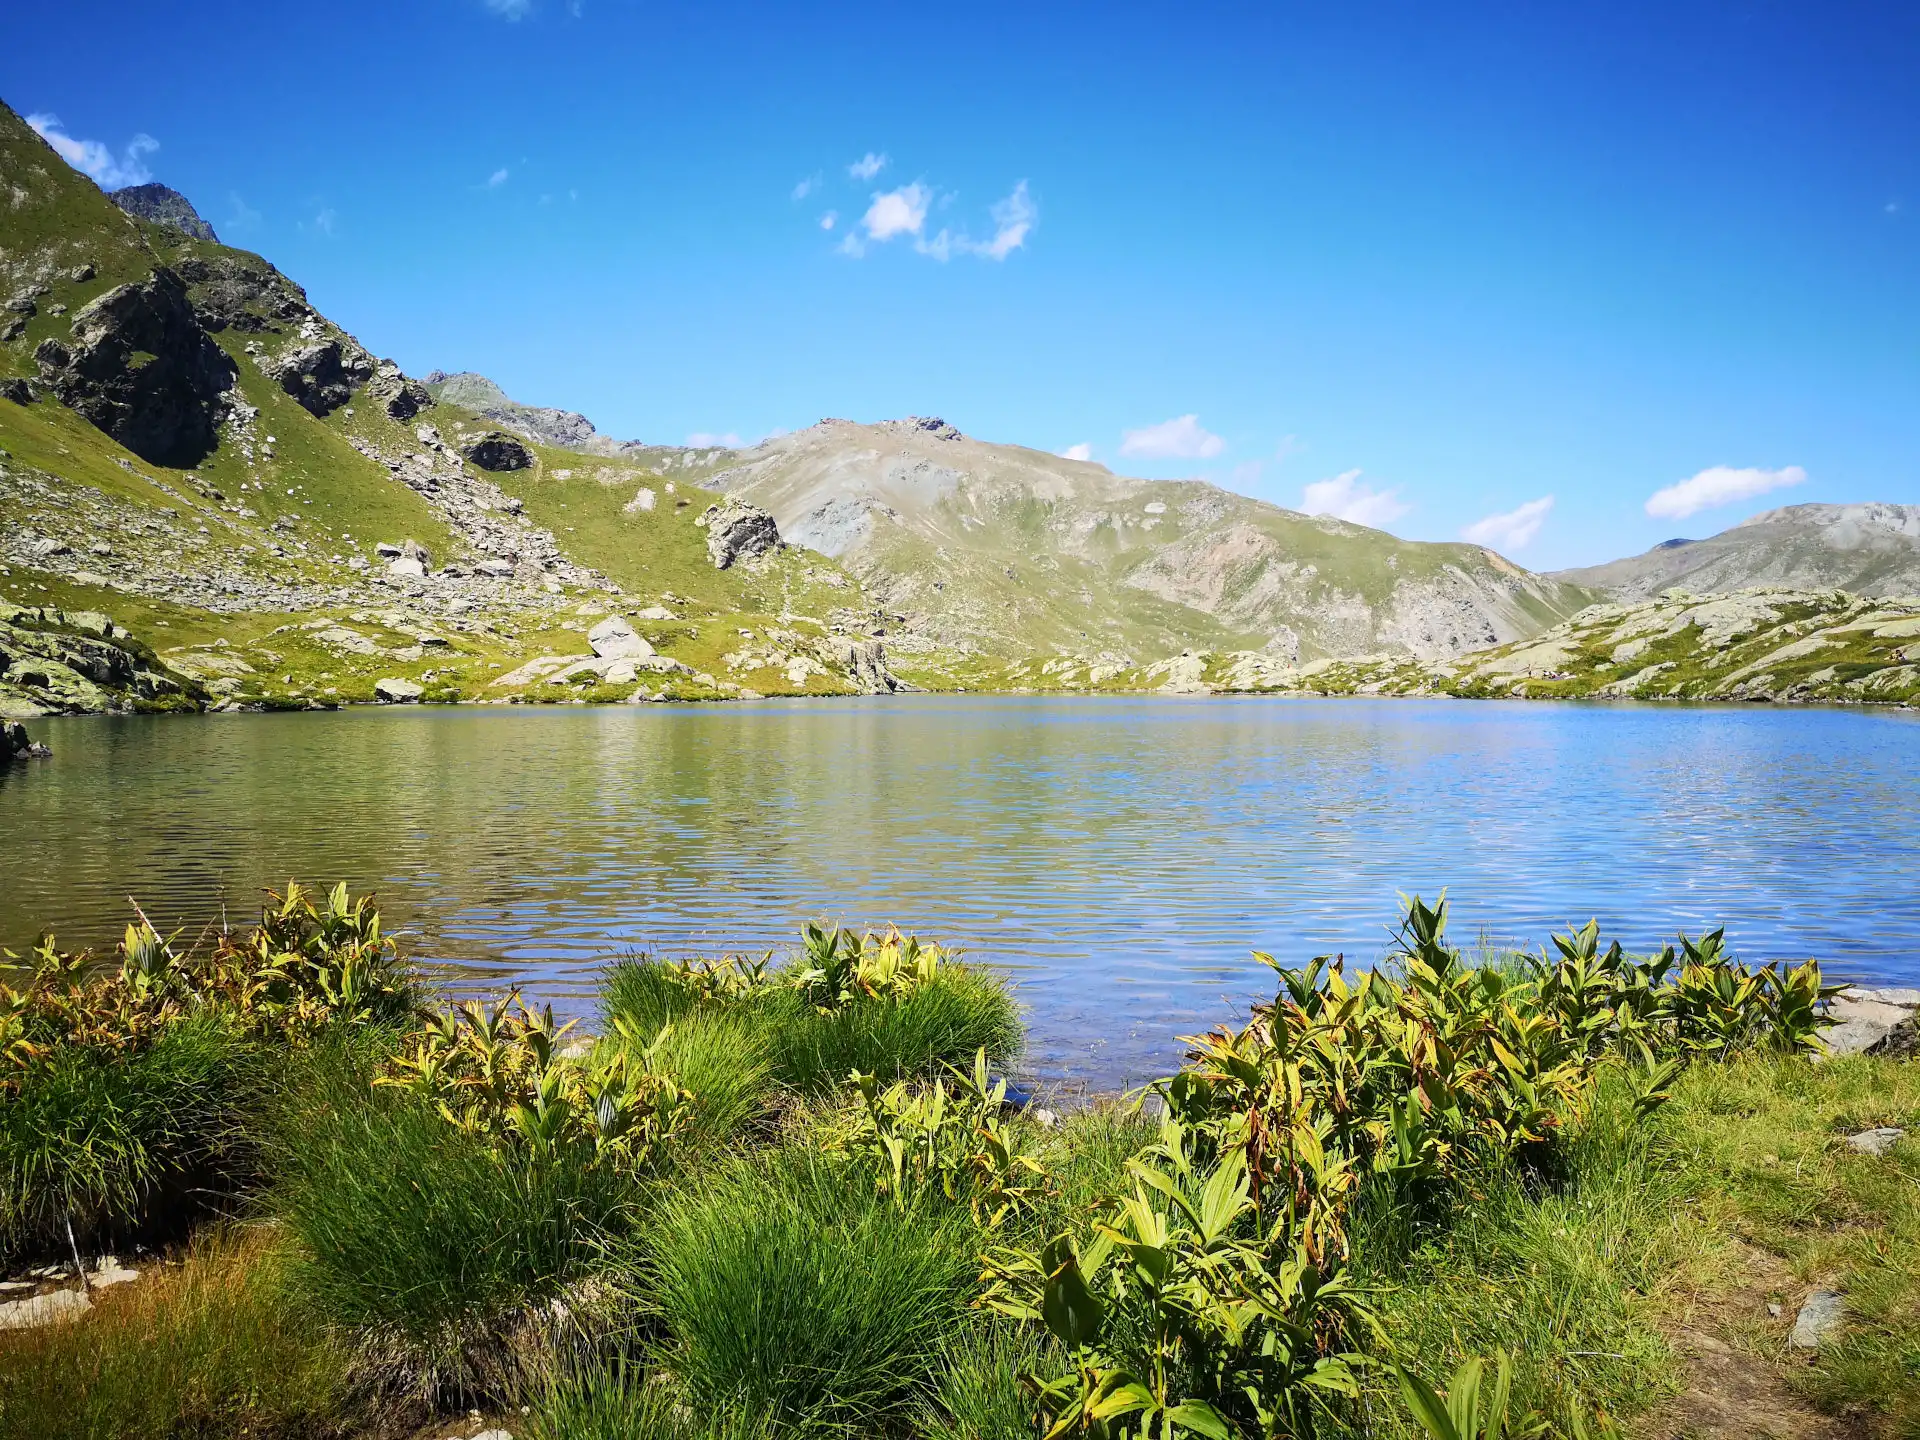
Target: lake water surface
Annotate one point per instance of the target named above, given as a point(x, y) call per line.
point(1120, 858)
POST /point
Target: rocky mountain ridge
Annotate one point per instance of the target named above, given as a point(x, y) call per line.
point(1867, 549)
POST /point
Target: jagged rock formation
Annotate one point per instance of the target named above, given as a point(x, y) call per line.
point(738, 532)
point(320, 372)
point(1001, 548)
point(163, 206)
point(54, 663)
point(1869, 549)
point(139, 366)
point(498, 453)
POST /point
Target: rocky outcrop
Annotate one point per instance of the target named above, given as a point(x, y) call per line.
point(866, 666)
point(737, 531)
point(394, 393)
point(321, 374)
point(498, 453)
point(140, 368)
point(397, 690)
point(80, 662)
point(242, 292)
point(614, 638)
point(163, 205)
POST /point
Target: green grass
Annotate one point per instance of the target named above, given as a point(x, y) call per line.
point(436, 1254)
point(788, 1289)
point(978, 1394)
point(617, 1401)
point(208, 1347)
point(947, 1020)
point(112, 1143)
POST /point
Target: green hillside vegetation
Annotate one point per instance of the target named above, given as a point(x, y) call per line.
point(795, 1196)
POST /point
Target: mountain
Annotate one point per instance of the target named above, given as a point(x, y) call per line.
point(1015, 551)
point(563, 428)
point(1870, 549)
point(163, 206)
point(189, 449)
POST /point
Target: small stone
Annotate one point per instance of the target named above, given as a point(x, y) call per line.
point(48, 1309)
point(397, 691)
point(1774, 1312)
point(1819, 1317)
point(1877, 1141)
point(1045, 1119)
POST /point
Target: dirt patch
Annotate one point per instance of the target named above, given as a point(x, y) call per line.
point(1739, 1370)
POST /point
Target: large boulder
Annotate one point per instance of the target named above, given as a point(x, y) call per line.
point(321, 374)
point(737, 531)
point(613, 637)
point(397, 690)
point(866, 663)
point(394, 393)
point(497, 452)
point(140, 368)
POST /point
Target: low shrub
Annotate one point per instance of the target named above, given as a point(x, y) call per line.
point(884, 1005)
point(789, 1290)
point(438, 1252)
point(126, 1084)
point(208, 1347)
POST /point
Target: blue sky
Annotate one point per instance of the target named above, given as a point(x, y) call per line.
point(1510, 271)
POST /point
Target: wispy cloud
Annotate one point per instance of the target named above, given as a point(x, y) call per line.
point(241, 217)
point(1181, 438)
point(704, 440)
point(322, 221)
point(1344, 497)
point(867, 166)
point(108, 170)
point(807, 186)
point(1289, 446)
point(1512, 529)
point(512, 9)
point(497, 178)
point(1719, 485)
point(830, 219)
point(1013, 218)
point(1082, 451)
point(1247, 474)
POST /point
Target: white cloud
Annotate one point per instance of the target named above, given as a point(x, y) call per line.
point(806, 187)
point(1513, 529)
point(241, 217)
point(867, 166)
point(897, 212)
point(702, 440)
point(1719, 485)
point(497, 178)
point(109, 171)
point(512, 9)
point(1082, 451)
point(1181, 438)
point(1013, 217)
point(830, 219)
point(1345, 498)
point(323, 221)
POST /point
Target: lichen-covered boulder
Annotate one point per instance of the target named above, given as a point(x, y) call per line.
point(737, 531)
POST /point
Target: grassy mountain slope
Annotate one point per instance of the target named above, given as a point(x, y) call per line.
point(1867, 549)
point(257, 568)
point(1016, 552)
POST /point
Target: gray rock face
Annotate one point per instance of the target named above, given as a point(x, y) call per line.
point(1862, 1019)
point(498, 453)
point(613, 637)
point(566, 429)
point(737, 531)
point(321, 374)
point(16, 744)
point(393, 392)
point(55, 663)
point(866, 662)
point(397, 691)
point(16, 390)
point(1875, 1142)
point(1819, 1318)
point(163, 205)
point(140, 368)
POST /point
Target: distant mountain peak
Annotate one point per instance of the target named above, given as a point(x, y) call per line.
point(163, 205)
